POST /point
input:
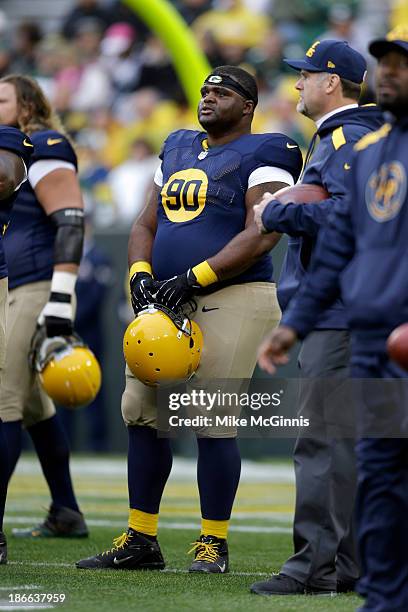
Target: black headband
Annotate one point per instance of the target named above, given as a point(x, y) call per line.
point(223, 80)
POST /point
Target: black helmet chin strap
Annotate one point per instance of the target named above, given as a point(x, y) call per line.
point(44, 349)
point(180, 320)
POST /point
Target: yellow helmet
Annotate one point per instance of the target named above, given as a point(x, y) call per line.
point(68, 370)
point(160, 346)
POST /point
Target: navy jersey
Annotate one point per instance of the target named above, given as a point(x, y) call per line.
point(29, 240)
point(202, 202)
point(15, 141)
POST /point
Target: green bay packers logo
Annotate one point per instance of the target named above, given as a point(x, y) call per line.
point(385, 191)
point(184, 195)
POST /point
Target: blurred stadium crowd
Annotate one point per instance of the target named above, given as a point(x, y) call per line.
point(113, 83)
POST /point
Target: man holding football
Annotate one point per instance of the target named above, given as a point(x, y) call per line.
point(362, 256)
point(324, 559)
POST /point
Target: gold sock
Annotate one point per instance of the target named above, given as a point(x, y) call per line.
point(219, 529)
point(144, 522)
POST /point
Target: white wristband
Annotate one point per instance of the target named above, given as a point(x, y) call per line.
point(63, 282)
point(55, 309)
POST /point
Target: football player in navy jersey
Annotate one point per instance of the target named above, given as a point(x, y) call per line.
point(43, 246)
point(196, 237)
point(15, 152)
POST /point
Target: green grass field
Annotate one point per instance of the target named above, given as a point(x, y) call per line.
point(260, 540)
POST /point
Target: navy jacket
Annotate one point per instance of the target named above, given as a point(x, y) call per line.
point(363, 251)
point(325, 165)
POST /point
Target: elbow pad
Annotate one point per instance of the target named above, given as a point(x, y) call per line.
point(69, 238)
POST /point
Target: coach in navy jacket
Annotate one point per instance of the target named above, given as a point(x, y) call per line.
point(363, 253)
point(324, 559)
point(327, 166)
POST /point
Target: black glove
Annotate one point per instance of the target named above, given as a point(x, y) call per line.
point(177, 290)
point(142, 290)
point(57, 326)
point(57, 315)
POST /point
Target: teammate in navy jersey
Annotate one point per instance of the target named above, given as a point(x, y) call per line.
point(15, 152)
point(196, 237)
point(43, 246)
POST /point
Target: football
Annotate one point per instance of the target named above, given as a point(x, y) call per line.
point(397, 345)
point(302, 194)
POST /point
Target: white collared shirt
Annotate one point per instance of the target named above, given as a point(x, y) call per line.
point(320, 121)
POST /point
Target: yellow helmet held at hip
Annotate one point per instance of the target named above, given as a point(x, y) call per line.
point(68, 370)
point(160, 346)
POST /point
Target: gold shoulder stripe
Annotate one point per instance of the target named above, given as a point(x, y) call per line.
point(372, 137)
point(338, 138)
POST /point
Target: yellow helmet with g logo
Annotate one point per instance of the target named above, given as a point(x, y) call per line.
point(68, 370)
point(160, 346)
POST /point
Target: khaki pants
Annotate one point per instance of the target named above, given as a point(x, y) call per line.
point(233, 330)
point(21, 396)
point(3, 320)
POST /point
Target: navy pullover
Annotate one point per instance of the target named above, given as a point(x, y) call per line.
point(327, 163)
point(363, 251)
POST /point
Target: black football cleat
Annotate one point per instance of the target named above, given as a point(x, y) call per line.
point(346, 585)
point(3, 549)
point(280, 584)
point(211, 555)
point(59, 523)
point(131, 551)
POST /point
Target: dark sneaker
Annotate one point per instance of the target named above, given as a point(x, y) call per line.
point(60, 523)
point(346, 585)
point(280, 584)
point(131, 550)
point(3, 549)
point(211, 555)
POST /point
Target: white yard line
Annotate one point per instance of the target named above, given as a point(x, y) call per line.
point(183, 469)
point(27, 606)
point(40, 563)
point(15, 510)
point(30, 520)
point(166, 571)
point(23, 587)
point(185, 571)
